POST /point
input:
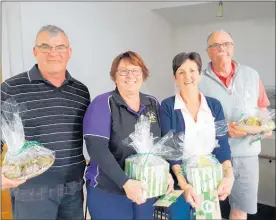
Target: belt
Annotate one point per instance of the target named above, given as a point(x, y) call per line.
point(45, 192)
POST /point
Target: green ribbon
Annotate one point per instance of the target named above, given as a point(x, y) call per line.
point(142, 154)
point(27, 145)
point(258, 137)
point(169, 198)
point(210, 157)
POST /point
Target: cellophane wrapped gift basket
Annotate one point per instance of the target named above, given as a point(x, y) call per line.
point(149, 165)
point(202, 170)
point(24, 159)
point(250, 118)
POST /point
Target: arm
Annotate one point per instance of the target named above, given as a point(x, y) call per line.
point(5, 93)
point(263, 101)
point(98, 150)
point(166, 118)
point(189, 192)
point(166, 125)
point(96, 129)
point(227, 182)
point(4, 96)
point(182, 182)
point(223, 154)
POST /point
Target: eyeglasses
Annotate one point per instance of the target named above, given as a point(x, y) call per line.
point(125, 72)
point(45, 48)
point(217, 45)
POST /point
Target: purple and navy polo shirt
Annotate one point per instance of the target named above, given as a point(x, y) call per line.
point(107, 124)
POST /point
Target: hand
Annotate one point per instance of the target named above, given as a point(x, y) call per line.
point(8, 183)
point(134, 191)
point(191, 196)
point(235, 133)
point(267, 134)
point(225, 187)
point(170, 185)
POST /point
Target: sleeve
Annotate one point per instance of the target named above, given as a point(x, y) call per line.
point(2, 146)
point(222, 152)
point(166, 125)
point(88, 97)
point(166, 119)
point(263, 100)
point(5, 94)
point(96, 130)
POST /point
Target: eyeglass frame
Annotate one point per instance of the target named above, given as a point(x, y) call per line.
point(51, 48)
point(218, 45)
point(129, 70)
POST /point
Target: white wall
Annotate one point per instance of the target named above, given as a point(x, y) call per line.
point(267, 173)
point(12, 59)
point(98, 32)
point(254, 43)
point(254, 46)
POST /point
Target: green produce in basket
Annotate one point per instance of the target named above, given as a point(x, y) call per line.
point(30, 162)
point(151, 170)
point(24, 159)
point(204, 174)
point(14, 172)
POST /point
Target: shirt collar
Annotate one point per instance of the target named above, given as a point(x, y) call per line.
point(118, 98)
point(233, 70)
point(179, 103)
point(35, 74)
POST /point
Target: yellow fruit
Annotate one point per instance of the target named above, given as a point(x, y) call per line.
point(14, 172)
point(253, 121)
point(270, 125)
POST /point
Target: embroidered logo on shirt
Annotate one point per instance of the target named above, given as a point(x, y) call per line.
point(152, 117)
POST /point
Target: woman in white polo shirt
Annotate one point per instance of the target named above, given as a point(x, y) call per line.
point(189, 111)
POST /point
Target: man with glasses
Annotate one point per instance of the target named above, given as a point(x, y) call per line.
point(56, 104)
point(237, 87)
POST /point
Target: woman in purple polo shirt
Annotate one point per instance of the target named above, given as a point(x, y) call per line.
point(189, 111)
point(109, 120)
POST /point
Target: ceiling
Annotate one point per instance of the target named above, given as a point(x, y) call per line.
point(206, 12)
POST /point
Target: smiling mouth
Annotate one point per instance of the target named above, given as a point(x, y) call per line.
point(130, 82)
point(54, 61)
point(188, 82)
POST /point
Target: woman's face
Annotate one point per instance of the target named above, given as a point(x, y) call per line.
point(129, 78)
point(187, 75)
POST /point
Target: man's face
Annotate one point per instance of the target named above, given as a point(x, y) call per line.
point(220, 47)
point(52, 52)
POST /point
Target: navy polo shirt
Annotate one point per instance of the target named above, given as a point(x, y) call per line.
point(52, 116)
point(107, 124)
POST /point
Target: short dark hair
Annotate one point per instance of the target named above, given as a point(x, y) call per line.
point(180, 58)
point(133, 58)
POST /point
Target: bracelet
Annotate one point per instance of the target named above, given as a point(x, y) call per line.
point(225, 169)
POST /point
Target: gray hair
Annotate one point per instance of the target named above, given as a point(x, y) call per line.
point(52, 30)
point(221, 30)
